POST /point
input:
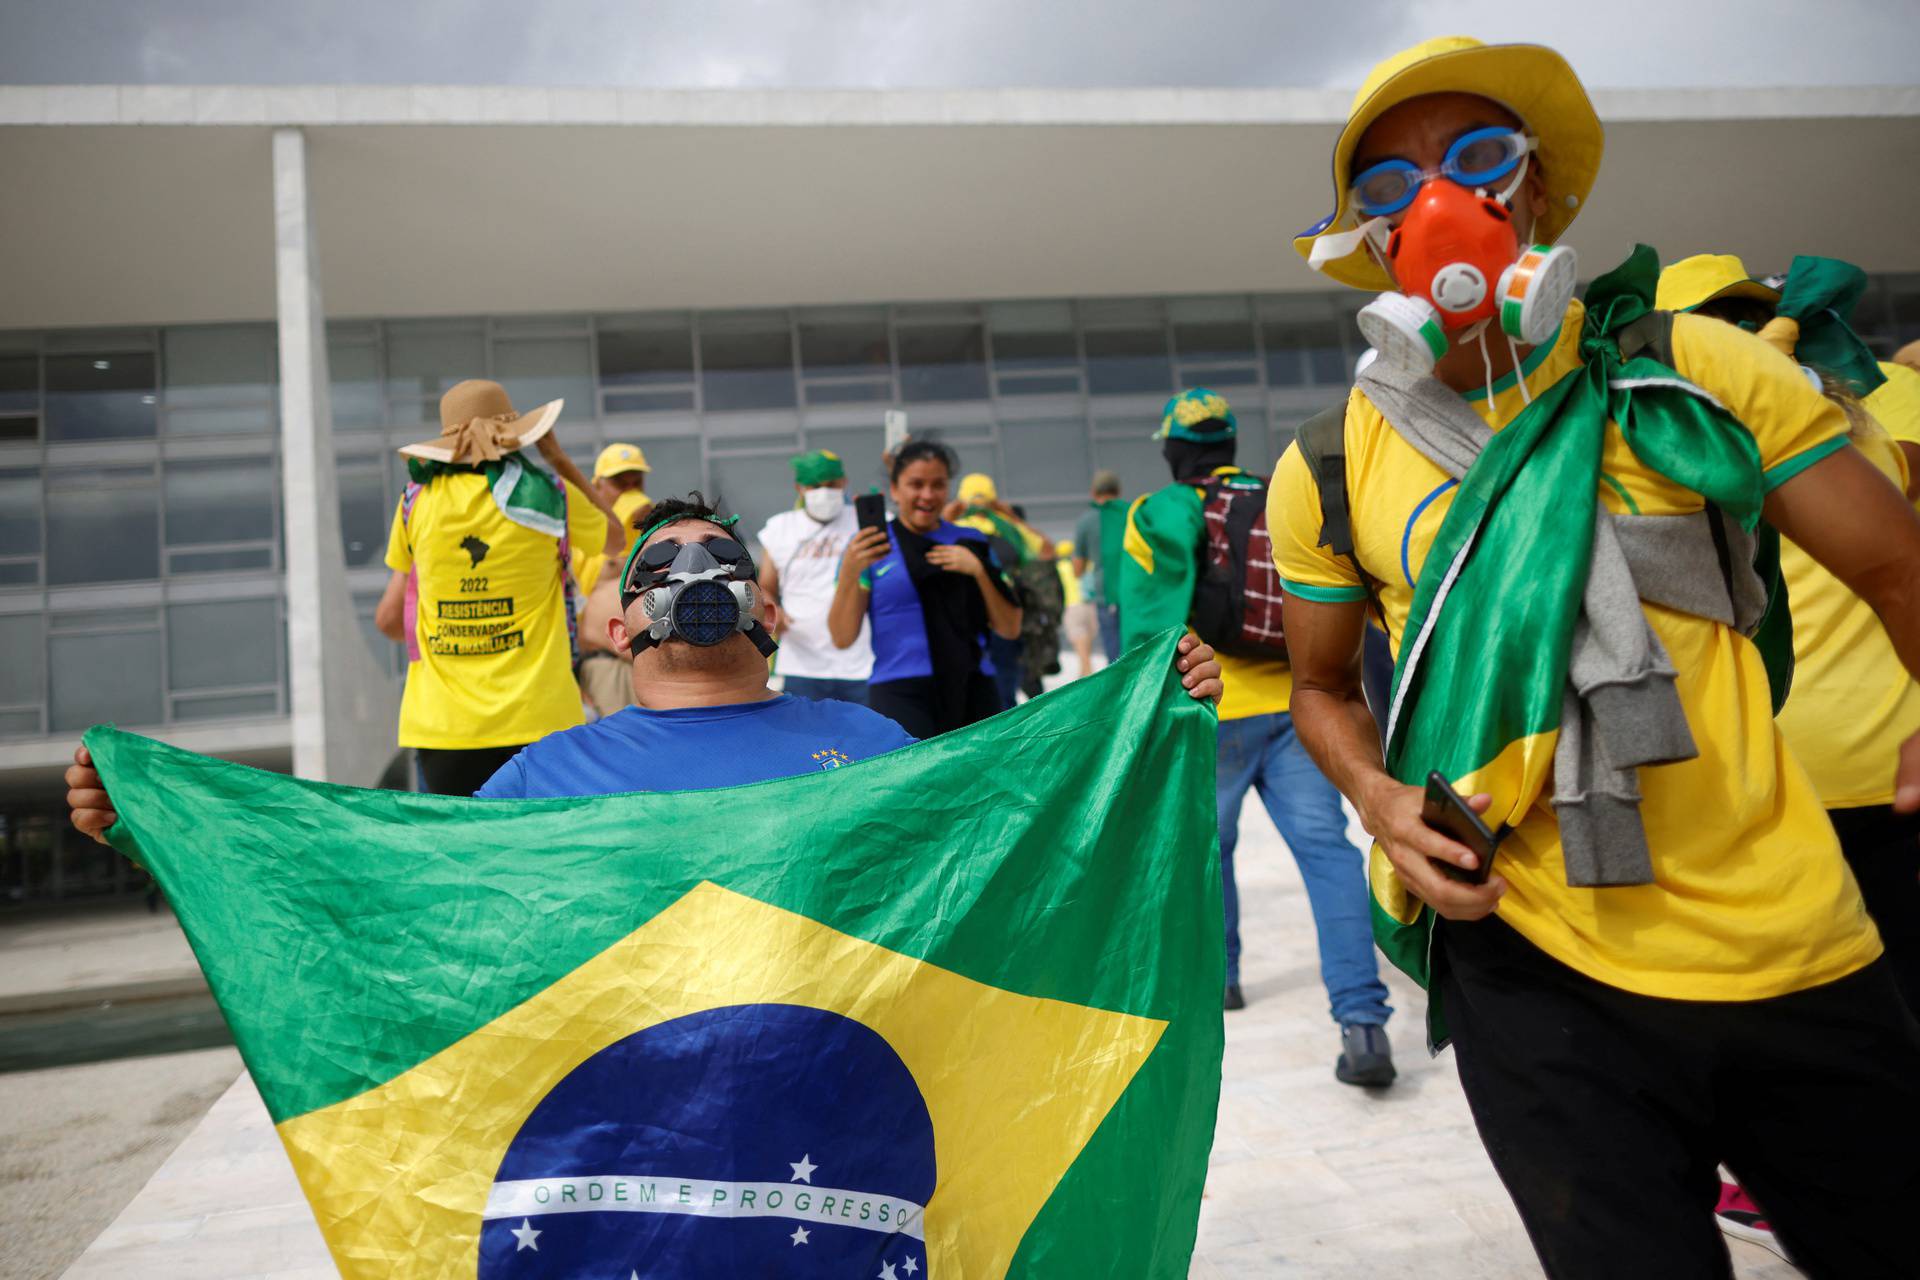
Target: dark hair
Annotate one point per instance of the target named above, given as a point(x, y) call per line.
point(693, 507)
point(923, 451)
point(1751, 311)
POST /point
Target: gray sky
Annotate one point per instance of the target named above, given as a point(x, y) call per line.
point(924, 44)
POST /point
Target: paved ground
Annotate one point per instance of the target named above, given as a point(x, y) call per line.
point(76, 1143)
point(1309, 1178)
point(1312, 1178)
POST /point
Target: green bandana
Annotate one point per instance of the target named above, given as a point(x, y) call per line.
point(1819, 294)
point(1504, 579)
point(524, 489)
point(818, 468)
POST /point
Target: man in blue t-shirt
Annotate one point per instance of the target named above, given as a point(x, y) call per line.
point(703, 714)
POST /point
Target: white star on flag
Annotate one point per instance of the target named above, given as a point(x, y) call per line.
point(803, 1170)
point(886, 1272)
point(526, 1233)
point(800, 1235)
point(910, 1266)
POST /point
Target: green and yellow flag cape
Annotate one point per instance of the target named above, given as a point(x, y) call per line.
point(952, 1012)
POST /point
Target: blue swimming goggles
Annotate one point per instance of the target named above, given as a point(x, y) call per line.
point(1477, 158)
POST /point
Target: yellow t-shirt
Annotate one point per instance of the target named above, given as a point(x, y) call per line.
point(588, 562)
point(1070, 584)
point(494, 665)
point(1853, 702)
point(1752, 898)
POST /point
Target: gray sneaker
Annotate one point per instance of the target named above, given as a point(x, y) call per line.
point(1365, 1056)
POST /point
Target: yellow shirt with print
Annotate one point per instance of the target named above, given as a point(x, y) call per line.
point(495, 666)
point(1752, 898)
point(1853, 702)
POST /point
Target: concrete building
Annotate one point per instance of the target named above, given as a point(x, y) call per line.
point(221, 309)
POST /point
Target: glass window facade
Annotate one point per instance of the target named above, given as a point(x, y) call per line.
point(151, 474)
point(143, 464)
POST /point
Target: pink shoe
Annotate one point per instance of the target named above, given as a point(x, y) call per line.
point(1742, 1219)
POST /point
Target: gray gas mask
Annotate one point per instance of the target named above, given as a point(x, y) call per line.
point(700, 592)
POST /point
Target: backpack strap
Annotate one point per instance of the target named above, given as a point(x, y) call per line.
point(1322, 440)
point(1651, 335)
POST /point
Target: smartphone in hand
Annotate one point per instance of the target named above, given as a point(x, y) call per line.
point(1446, 811)
point(870, 510)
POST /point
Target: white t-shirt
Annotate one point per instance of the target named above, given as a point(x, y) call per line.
point(806, 554)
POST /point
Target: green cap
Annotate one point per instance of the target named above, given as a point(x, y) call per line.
point(822, 466)
point(1197, 414)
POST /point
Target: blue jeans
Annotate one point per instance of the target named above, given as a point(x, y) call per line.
point(1262, 752)
point(821, 689)
point(1006, 668)
point(1109, 617)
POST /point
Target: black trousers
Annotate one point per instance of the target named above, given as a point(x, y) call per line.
point(1883, 848)
point(460, 772)
point(910, 703)
point(1606, 1113)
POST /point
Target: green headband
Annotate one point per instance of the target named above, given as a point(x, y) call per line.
point(725, 522)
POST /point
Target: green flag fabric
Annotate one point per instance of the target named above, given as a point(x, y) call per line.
point(525, 487)
point(1820, 294)
point(948, 1012)
point(1508, 567)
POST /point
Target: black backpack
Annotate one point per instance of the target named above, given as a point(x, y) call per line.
point(1236, 594)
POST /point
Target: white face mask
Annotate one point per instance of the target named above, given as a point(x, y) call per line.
point(824, 504)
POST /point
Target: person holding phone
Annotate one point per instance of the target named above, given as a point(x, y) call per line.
point(931, 592)
point(802, 550)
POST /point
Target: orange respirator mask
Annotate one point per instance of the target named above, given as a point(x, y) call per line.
point(1459, 262)
point(1455, 254)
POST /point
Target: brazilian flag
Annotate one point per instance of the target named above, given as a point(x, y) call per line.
point(951, 1013)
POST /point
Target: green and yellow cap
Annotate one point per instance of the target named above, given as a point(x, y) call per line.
point(821, 466)
point(1197, 414)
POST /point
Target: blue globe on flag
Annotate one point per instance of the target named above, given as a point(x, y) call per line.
point(749, 1140)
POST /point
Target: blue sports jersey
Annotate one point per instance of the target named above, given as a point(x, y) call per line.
point(899, 624)
point(693, 748)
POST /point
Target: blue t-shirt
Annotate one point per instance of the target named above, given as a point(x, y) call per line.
point(693, 748)
point(899, 624)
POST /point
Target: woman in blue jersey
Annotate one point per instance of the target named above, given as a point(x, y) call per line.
point(933, 591)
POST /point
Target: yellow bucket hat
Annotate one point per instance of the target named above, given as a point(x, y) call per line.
point(1696, 281)
point(1530, 80)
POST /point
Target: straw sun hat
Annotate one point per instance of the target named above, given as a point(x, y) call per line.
point(478, 424)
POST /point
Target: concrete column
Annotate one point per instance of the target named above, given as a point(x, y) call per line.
point(344, 705)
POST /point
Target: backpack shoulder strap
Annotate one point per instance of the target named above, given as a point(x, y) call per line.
point(1323, 447)
point(1651, 335)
